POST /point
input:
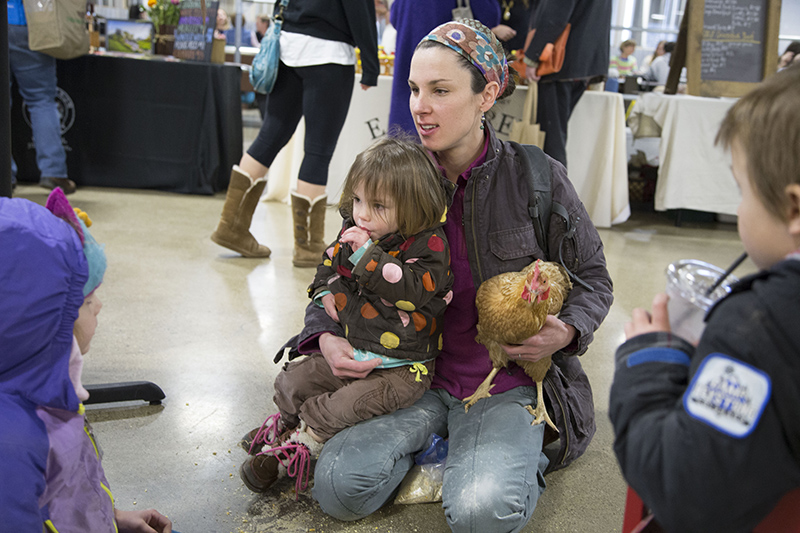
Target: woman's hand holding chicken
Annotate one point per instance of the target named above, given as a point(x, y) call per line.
point(553, 336)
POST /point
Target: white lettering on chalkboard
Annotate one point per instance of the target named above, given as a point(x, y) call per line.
point(733, 32)
point(194, 34)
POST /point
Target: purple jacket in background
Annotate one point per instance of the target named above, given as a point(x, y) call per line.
point(413, 20)
point(42, 442)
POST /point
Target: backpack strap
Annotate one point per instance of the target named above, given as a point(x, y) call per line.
point(536, 168)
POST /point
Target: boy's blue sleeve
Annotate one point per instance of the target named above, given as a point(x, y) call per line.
point(685, 441)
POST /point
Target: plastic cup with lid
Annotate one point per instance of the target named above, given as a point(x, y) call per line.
point(687, 283)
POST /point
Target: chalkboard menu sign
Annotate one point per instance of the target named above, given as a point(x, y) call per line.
point(195, 33)
point(733, 36)
point(732, 44)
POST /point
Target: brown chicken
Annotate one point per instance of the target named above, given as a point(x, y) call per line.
point(512, 307)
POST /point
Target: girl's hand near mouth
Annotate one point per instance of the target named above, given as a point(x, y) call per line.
point(355, 237)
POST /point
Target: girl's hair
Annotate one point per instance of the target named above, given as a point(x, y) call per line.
point(477, 80)
point(227, 24)
point(766, 124)
point(399, 170)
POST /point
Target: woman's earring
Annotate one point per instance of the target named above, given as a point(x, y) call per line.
point(483, 120)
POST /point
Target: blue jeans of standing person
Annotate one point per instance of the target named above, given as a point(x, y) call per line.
point(36, 78)
point(494, 472)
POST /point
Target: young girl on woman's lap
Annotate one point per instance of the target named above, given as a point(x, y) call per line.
point(386, 280)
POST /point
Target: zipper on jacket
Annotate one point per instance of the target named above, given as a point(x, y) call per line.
point(564, 416)
point(474, 232)
point(102, 485)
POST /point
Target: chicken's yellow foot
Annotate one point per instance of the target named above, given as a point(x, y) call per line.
point(482, 391)
point(540, 412)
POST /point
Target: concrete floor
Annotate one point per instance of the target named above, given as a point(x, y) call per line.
point(204, 325)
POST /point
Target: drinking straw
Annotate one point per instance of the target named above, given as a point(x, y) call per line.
point(727, 273)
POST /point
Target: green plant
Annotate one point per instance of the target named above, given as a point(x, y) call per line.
point(163, 12)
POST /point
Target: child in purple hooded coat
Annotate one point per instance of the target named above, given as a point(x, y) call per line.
point(50, 467)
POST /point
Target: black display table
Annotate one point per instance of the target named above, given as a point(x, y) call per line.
point(143, 123)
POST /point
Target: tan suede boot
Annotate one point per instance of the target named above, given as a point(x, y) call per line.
point(316, 230)
point(309, 229)
point(233, 231)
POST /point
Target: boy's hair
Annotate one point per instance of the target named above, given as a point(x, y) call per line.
point(626, 43)
point(402, 171)
point(766, 124)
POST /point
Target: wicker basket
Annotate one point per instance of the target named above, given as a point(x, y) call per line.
point(642, 183)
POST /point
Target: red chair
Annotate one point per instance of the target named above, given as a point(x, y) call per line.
point(784, 518)
point(637, 517)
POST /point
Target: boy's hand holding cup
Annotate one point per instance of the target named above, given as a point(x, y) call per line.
point(683, 307)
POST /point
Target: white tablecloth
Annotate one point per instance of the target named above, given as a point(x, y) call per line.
point(693, 172)
point(595, 150)
point(597, 156)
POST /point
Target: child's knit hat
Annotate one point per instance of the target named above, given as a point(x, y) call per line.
point(58, 204)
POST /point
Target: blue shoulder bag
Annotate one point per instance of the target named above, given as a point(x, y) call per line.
point(264, 69)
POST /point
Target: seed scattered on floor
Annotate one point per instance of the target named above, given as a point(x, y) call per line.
point(214, 453)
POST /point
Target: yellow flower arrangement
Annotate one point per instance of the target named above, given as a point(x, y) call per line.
point(163, 12)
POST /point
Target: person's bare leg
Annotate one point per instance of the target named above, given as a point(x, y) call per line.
point(255, 169)
point(309, 190)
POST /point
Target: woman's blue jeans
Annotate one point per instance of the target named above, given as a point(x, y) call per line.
point(494, 472)
point(36, 78)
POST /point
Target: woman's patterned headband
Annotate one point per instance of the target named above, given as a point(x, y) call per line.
point(476, 46)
